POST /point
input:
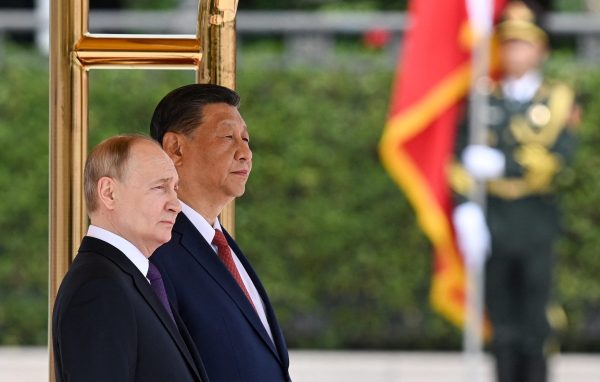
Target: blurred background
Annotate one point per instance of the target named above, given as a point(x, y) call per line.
point(333, 238)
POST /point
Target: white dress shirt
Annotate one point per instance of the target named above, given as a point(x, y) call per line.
point(208, 232)
point(522, 89)
point(133, 254)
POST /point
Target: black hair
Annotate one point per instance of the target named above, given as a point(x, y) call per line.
point(181, 109)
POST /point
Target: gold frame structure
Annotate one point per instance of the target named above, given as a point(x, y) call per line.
point(73, 52)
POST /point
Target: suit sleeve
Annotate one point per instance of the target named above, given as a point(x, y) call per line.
point(98, 335)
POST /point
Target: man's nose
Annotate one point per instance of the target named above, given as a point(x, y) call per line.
point(244, 152)
point(174, 205)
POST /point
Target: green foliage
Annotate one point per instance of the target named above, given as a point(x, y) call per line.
point(122, 101)
point(24, 203)
point(579, 264)
point(569, 5)
point(332, 237)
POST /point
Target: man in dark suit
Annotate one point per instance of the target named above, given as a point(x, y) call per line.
point(209, 280)
point(110, 322)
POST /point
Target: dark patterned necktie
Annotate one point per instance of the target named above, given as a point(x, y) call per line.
point(159, 288)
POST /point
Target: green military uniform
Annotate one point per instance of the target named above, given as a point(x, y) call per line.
point(524, 221)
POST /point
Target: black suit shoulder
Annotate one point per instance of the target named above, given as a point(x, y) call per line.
point(92, 268)
point(95, 283)
point(94, 315)
point(105, 328)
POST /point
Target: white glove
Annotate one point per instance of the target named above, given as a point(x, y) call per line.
point(472, 233)
point(483, 162)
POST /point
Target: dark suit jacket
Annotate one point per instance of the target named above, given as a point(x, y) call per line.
point(109, 325)
point(228, 333)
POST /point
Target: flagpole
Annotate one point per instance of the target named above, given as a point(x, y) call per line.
point(478, 116)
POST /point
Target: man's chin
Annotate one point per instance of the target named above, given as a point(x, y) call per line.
point(238, 191)
point(164, 238)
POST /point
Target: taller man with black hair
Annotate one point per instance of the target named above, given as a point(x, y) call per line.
point(209, 280)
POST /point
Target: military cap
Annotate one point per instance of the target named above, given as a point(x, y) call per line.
point(520, 22)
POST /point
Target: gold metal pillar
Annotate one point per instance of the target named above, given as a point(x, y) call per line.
point(73, 52)
point(218, 61)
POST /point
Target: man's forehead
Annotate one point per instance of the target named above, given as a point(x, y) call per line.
point(222, 119)
point(144, 151)
point(229, 123)
point(151, 159)
point(220, 111)
point(155, 173)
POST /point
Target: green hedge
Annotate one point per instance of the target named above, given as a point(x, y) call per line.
point(24, 198)
point(332, 237)
point(578, 263)
point(330, 233)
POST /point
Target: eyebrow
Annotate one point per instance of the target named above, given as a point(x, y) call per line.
point(163, 180)
point(231, 124)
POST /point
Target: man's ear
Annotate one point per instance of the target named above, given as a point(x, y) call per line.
point(107, 192)
point(172, 145)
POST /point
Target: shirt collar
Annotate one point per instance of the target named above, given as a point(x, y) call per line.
point(202, 225)
point(133, 254)
point(522, 89)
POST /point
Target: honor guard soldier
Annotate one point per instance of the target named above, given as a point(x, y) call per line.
point(530, 124)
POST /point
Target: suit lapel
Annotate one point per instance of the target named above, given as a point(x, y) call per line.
point(272, 319)
point(203, 253)
point(143, 286)
point(146, 291)
point(189, 342)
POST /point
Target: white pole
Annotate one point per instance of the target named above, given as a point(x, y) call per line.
point(42, 30)
point(480, 15)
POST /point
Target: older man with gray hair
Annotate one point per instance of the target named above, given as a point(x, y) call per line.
point(112, 320)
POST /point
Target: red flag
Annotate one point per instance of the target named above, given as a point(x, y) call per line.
point(418, 140)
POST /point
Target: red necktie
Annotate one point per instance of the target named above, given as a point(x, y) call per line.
point(225, 255)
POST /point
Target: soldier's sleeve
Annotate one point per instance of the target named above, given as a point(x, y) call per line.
point(565, 147)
